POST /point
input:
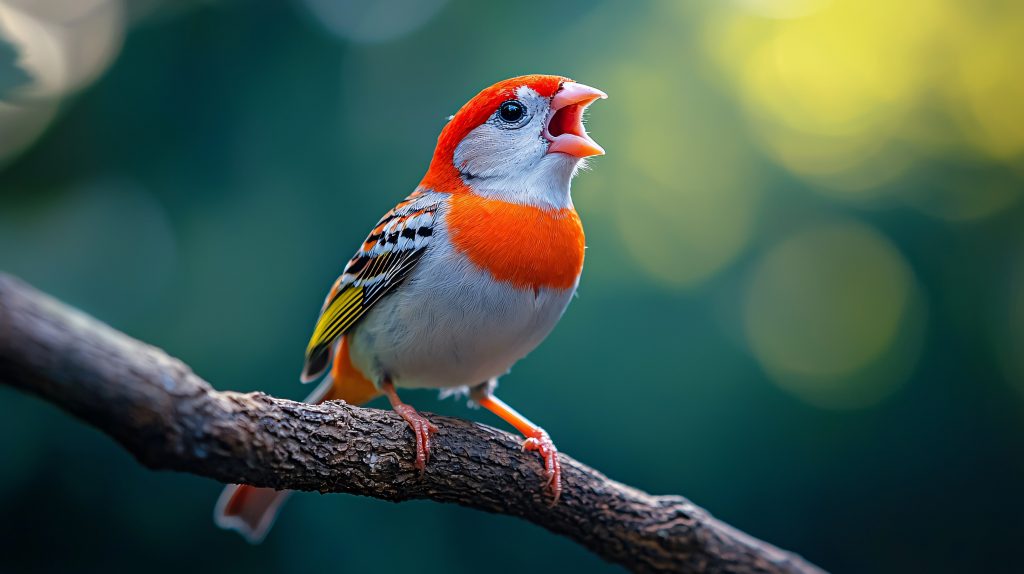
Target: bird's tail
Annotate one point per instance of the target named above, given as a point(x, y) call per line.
point(251, 510)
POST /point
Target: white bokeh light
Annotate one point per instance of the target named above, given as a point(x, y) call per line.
point(62, 44)
point(372, 22)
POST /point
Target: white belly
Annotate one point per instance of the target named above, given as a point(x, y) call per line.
point(451, 325)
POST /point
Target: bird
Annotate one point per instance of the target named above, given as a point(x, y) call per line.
point(461, 279)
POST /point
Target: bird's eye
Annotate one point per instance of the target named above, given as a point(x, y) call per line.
point(512, 111)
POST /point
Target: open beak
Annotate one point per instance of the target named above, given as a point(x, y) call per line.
point(564, 128)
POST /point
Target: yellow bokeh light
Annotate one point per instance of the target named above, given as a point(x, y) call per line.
point(987, 83)
point(850, 94)
point(781, 8)
point(685, 234)
point(682, 201)
point(831, 315)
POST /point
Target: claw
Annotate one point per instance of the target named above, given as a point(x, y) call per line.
point(422, 429)
point(541, 443)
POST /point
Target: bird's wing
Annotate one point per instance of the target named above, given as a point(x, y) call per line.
point(384, 261)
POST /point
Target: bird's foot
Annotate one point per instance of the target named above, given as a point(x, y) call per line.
point(422, 429)
point(541, 442)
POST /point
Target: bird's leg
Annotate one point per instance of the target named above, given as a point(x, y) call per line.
point(421, 427)
point(536, 439)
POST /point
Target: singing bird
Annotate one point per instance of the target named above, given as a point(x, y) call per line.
point(462, 278)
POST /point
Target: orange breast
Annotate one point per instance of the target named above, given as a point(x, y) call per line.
point(526, 246)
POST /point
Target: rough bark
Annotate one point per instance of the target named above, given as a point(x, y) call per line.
point(171, 419)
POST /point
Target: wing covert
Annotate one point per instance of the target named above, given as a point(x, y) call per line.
point(386, 258)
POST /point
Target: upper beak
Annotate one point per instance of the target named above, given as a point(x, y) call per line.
point(564, 128)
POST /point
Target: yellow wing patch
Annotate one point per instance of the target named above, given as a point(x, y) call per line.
point(337, 317)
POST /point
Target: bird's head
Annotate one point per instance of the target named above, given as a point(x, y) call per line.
point(519, 140)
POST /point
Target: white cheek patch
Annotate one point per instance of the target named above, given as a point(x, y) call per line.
point(513, 164)
point(492, 152)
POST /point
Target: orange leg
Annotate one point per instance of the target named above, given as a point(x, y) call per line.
point(536, 439)
point(421, 427)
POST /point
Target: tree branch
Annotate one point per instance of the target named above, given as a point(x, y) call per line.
point(170, 419)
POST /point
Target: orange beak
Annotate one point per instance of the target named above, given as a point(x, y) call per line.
point(564, 128)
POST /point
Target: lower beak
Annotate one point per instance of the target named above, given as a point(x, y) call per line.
point(564, 127)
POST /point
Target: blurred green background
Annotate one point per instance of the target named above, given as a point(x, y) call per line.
point(803, 303)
